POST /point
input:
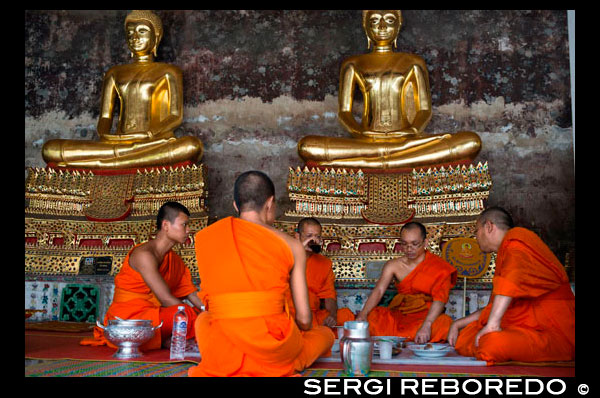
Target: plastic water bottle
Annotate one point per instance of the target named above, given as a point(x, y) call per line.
point(178, 336)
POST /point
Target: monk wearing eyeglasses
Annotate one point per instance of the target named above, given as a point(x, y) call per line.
point(423, 281)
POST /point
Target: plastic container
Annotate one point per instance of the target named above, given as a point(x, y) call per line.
point(178, 336)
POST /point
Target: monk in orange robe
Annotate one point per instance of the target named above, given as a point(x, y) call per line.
point(319, 277)
point(153, 281)
point(423, 281)
point(245, 267)
point(530, 316)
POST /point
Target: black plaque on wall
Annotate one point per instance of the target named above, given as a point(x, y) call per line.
point(95, 265)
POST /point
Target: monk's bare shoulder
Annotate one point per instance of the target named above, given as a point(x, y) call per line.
point(395, 262)
point(142, 256)
point(293, 243)
point(397, 267)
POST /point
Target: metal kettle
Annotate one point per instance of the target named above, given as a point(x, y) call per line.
point(356, 348)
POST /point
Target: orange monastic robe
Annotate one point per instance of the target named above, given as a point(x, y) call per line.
point(133, 299)
point(321, 285)
point(431, 280)
point(539, 324)
point(244, 271)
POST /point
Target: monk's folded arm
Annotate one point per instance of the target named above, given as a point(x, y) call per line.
point(499, 307)
point(462, 322)
point(434, 311)
point(331, 307)
point(299, 287)
point(146, 265)
point(194, 299)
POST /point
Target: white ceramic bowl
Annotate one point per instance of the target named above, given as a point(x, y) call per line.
point(430, 350)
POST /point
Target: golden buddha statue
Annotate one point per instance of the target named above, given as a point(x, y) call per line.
point(151, 107)
point(397, 107)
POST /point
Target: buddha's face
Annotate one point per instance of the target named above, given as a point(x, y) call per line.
point(382, 26)
point(141, 38)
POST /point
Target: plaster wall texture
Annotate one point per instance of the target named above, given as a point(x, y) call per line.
point(256, 82)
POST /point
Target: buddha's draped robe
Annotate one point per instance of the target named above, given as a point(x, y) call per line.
point(133, 299)
point(321, 285)
point(244, 270)
point(539, 324)
point(430, 281)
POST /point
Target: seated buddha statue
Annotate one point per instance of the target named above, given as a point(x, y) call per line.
point(150, 97)
point(397, 108)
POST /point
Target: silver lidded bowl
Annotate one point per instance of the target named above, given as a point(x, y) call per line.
point(128, 335)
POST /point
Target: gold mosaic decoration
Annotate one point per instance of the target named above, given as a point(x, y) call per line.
point(389, 198)
point(58, 201)
point(330, 192)
point(458, 191)
point(44, 256)
point(110, 197)
point(70, 192)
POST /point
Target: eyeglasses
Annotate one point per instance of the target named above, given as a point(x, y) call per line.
point(411, 245)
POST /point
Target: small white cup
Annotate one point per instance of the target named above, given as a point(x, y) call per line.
point(385, 349)
point(340, 332)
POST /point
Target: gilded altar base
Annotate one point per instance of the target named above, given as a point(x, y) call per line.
point(447, 192)
point(362, 213)
point(85, 223)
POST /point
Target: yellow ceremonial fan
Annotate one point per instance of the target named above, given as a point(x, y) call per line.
point(468, 259)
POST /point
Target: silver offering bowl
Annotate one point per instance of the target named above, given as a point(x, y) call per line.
point(128, 335)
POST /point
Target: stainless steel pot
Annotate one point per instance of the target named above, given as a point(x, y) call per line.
point(128, 335)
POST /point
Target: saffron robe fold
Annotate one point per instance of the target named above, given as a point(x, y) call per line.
point(321, 285)
point(244, 270)
point(133, 299)
point(430, 281)
point(539, 324)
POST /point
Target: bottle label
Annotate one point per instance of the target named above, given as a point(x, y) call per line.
point(181, 325)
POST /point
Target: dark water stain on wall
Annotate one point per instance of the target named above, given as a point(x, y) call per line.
point(256, 82)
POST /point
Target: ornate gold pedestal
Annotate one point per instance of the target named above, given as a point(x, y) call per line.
point(362, 213)
point(86, 222)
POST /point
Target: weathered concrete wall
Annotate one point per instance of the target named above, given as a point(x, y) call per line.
point(258, 81)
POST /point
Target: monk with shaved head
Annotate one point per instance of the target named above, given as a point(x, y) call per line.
point(154, 281)
point(320, 278)
point(530, 316)
point(245, 267)
point(423, 281)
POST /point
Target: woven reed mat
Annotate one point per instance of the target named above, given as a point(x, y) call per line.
point(390, 373)
point(83, 368)
point(336, 369)
point(71, 368)
point(59, 326)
